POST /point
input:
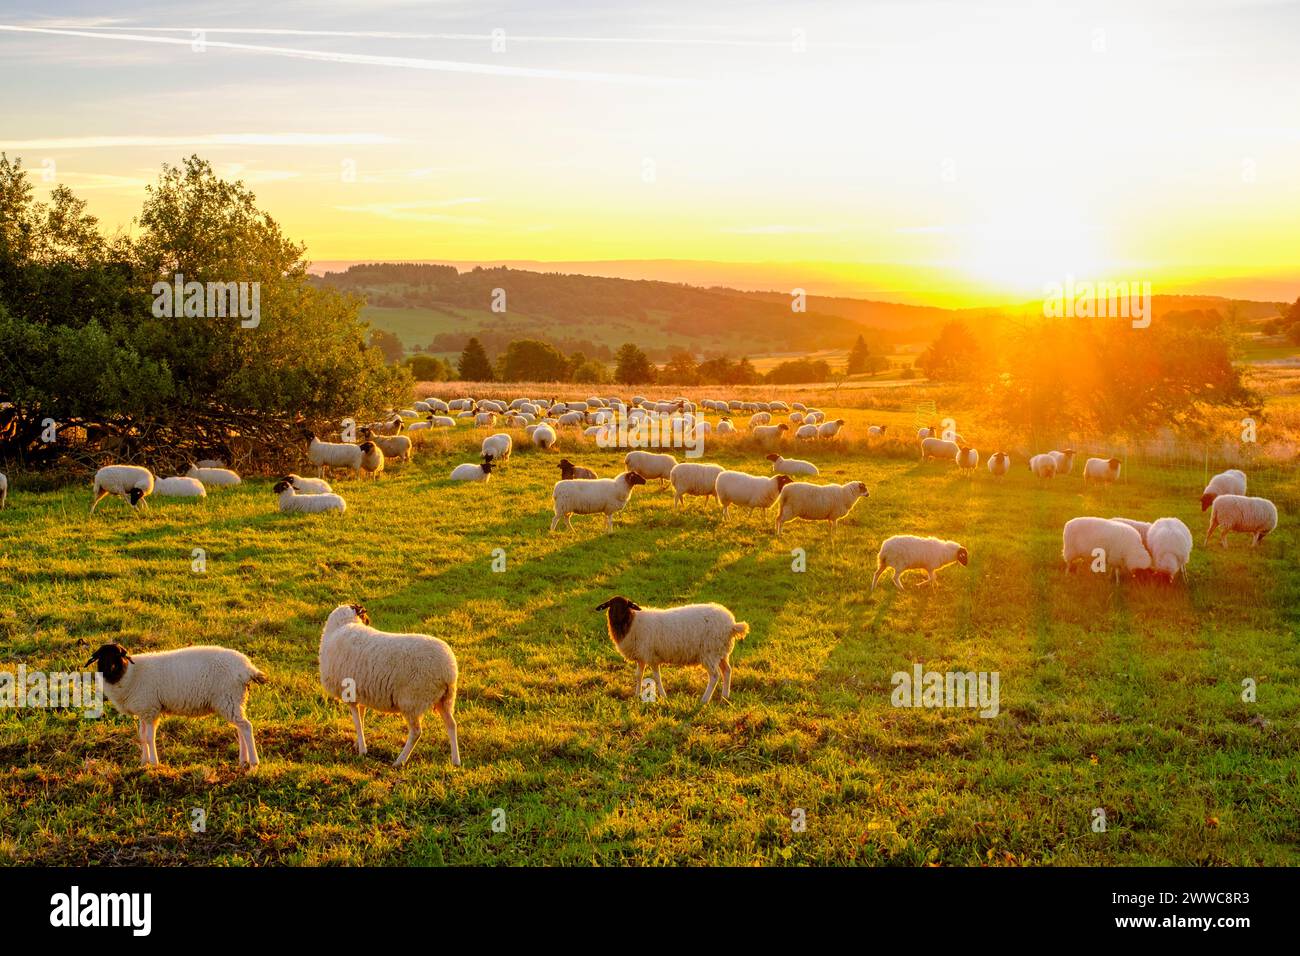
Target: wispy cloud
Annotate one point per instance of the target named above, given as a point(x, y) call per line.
point(202, 140)
point(419, 211)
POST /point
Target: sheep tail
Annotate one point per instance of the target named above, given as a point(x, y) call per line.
point(739, 630)
point(257, 677)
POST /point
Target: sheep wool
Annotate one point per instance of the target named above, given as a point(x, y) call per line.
point(372, 458)
point(939, 448)
point(799, 499)
point(131, 483)
point(791, 466)
point(1170, 543)
point(877, 431)
point(291, 502)
point(308, 486)
point(1064, 460)
point(1119, 544)
point(180, 487)
point(693, 478)
point(805, 432)
point(1230, 482)
point(190, 682)
point(4, 489)
point(498, 446)
point(748, 491)
point(999, 463)
point(725, 427)
point(407, 674)
point(325, 455)
point(214, 477)
point(1141, 527)
point(770, 434)
point(592, 496)
point(649, 464)
point(1252, 516)
point(905, 552)
point(1044, 466)
point(395, 447)
point(472, 472)
point(830, 429)
point(571, 472)
point(698, 634)
point(543, 436)
point(968, 459)
point(1105, 470)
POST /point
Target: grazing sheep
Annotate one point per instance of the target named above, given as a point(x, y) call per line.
point(1170, 543)
point(1253, 516)
point(939, 448)
point(214, 477)
point(770, 434)
point(391, 427)
point(1044, 466)
point(791, 466)
point(805, 433)
point(433, 421)
point(906, 552)
point(571, 472)
point(693, 478)
point(999, 463)
point(543, 436)
point(830, 429)
point(292, 502)
point(190, 682)
point(725, 427)
point(760, 418)
point(498, 446)
point(406, 674)
point(592, 496)
point(211, 463)
point(796, 418)
point(799, 499)
point(472, 472)
point(1141, 527)
point(308, 486)
point(748, 491)
point(649, 465)
point(1105, 470)
point(877, 431)
point(325, 455)
point(131, 483)
point(968, 458)
point(395, 447)
point(1120, 544)
point(372, 458)
point(700, 634)
point(179, 487)
point(574, 419)
point(1230, 482)
point(930, 432)
point(1064, 460)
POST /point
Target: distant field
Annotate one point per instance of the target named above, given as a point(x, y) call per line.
point(1123, 698)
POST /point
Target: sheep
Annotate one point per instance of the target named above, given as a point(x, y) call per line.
point(1044, 466)
point(805, 432)
point(876, 431)
point(592, 496)
point(770, 434)
point(179, 487)
point(292, 502)
point(1105, 470)
point(325, 455)
point(395, 448)
point(406, 674)
point(929, 432)
point(1120, 545)
point(4, 489)
point(543, 436)
point(791, 466)
point(498, 446)
point(211, 463)
point(725, 427)
point(760, 418)
point(441, 421)
point(472, 472)
point(968, 458)
point(391, 427)
point(1064, 460)
point(693, 478)
point(1230, 482)
point(702, 634)
point(939, 448)
point(574, 419)
point(830, 429)
point(799, 499)
point(308, 486)
point(571, 472)
point(906, 552)
point(372, 458)
point(1170, 543)
point(999, 463)
point(430, 422)
point(748, 491)
point(1253, 516)
point(131, 483)
point(214, 477)
point(1141, 527)
point(190, 682)
point(649, 465)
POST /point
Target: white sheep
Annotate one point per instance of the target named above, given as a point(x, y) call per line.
point(939, 448)
point(1120, 545)
point(906, 552)
point(292, 502)
point(748, 491)
point(372, 458)
point(931, 431)
point(190, 682)
point(179, 487)
point(725, 427)
point(699, 634)
point(1141, 527)
point(649, 464)
point(472, 472)
point(4, 489)
point(325, 455)
point(592, 496)
point(877, 431)
point(693, 478)
point(1044, 466)
point(131, 483)
point(799, 499)
point(395, 447)
point(805, 433)
point(1170, 543)
point(1105, 470)
point(760, 418)
point(406, 674)
point(968, 458)
point(1253, 516)
point(571, 472)
point(999, 463)
point(214, 477)
point(308, 486)
point(791, 466)
point(543, 436)
point(770, 434)
point(830, 429)
point(441, 421)
point(1230, 482)
point(1064, 460)
point(498, 446)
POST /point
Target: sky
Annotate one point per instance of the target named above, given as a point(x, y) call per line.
point(960, 153)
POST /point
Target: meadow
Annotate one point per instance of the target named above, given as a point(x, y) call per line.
point(1127, 698)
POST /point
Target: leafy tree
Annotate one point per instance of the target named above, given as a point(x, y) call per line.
point(858, 356)
point(632, 367)
point(388, 343)
point(590, 372)
point(681, 369)
point(430, 368)
point(531, 360)
point(745, 373)
point(474, 365)
point(954, 355)
point(799, 371)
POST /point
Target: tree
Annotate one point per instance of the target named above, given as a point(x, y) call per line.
point(388, 343)
point(716, 371)
point(745, 373)
point(800, 371)
point(531, 360)
point(632, 367)
point(681, 369)
point(954, 355)
point(430, 368)
point(858, 356)
point(590, 372)
point(474, 365)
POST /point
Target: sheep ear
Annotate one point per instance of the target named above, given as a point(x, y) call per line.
point(633, 605)
point(93, 657)
point(601, 607)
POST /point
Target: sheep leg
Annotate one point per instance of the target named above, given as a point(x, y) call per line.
point(725, 666)
point(712, 668)
point(609, 522)
point(929, 578)
point(246, 738)
point(100, 494)
point(358, 712)
point(640, 673)
point(659, 683)
point(554, 522)
point(568, 520)
point(150, 740)
point(447, 707)
point(413, 725)
point(140, 738)
point(243, 745)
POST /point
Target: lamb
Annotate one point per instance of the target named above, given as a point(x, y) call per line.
point(1105, 470)
point(702, 634)
point(498, 446)
point(1120, 544)
point(472, 472)
point(770, 434)
point(1044, 466)
point(791, 466)
point(372, 458)
point(1064, 460)
point(405, 674)
point(906, 552)
point(805, 432)
point(1253, 516)
point(877, 431)
point(830, 429)
point(939, 448)
point(131, 483)
point(190, 682)
point(180, 487)
point(215, 477)
point(543, 436)
point(799, 499)
point(968, 458)
point(1230, 482)
point(325, 455)
point(649, 465)
point(1170, 543)
point(4, 489)
point(1141, 527)
point(571, 472)
point(308, 486)
point(593, 496)
point(292, 502)
point(748, 491)
point(693, 478)
point(999, 463)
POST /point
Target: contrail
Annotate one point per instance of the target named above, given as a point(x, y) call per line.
point(365, 59)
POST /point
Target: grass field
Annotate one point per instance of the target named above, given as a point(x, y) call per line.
point(1123, 698)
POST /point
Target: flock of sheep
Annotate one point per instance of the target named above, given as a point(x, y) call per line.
point(411, 674)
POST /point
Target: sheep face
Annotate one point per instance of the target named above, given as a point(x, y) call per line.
point(111, 660)
point(963, 557)
point(773, 457)
point(782, 481)
point(362, 615)
point(783, 427)
point(367, 447)
point(859, 489)
point(619, 615)
point(135, 496)
point(633, 479)
point(282, 485)
point(1207, 499)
